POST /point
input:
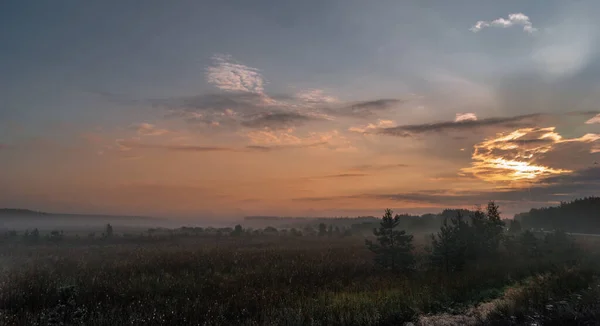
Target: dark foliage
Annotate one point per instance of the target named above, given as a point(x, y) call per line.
point(514, 226)
point(213, 276)
point(450, 247)
point(108, 230)
point(459, 241)
point(580, 216)
point(393, 248)
point(237, 231)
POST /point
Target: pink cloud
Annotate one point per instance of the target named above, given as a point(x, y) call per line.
point(465, 117)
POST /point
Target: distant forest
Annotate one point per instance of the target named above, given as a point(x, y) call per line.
point(413, 223)
point(578, 216)
point(19, 211)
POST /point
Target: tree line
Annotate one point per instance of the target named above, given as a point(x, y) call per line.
point(463, 239)
point(579, 216)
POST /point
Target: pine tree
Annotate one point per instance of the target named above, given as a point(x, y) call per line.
point(393, 248)
point(478, 245)
point(322, 229)
point(514, 226)
point(530, 245)
point(495, 227)
point(450, 247)
point(109, 230)
point(237, 231)
point(487, 232)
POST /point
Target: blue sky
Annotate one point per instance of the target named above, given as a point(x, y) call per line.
point(77, 79)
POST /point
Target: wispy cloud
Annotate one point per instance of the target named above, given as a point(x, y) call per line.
point(147, 129)
point(364, 109)
point(595, 119)
point(330, 139)
point(246, 105)
point(236, 110)
point(128, 145)
point(372, 126)
point(342, 175)
point(229, 75)
point(461, 125)
point(465, 117)
point(378, 167)
point(278, 120)
point(516, 19)
point(124, 145)
point(258, 110)
point(274, 137)
point(283, 147)
point(242, 102)
point(316, 96)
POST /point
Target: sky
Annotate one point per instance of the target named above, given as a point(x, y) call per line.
point(297, 108)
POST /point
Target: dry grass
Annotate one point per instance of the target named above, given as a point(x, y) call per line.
point(263, 280)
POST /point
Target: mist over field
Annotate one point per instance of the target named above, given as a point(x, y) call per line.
point(308, 162)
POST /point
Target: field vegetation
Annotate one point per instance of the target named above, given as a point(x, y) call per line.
point(474, 270)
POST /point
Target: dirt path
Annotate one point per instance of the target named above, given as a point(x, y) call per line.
point(472, 317)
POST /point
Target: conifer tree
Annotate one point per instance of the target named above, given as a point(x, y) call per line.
point(109, 230)
point(495, 227)
point(450, 247)
point(322, 229)
point(393, 248)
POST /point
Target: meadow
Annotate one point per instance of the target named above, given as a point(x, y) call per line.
point(261, 278)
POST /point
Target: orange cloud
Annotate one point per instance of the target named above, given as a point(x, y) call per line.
point(380, 124)
point(512, 157)
point(331, 139)
point(147, 129)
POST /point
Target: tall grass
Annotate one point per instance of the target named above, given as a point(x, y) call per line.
point(255, 281)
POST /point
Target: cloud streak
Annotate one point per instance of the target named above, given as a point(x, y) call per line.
point(460, 125)
point(364, 109)
point(147, 129)
point(330, 139)
point(343, 175)
point(278, 120)
point(371, 126)
point(261, 148)
point(315, 96)
point(378, 167)
point(551, 189)
point(127, 145)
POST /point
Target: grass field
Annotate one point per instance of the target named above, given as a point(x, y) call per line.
point(280, 280)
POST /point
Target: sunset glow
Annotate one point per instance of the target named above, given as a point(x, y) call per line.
point(512, 157)
point(227, 111)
